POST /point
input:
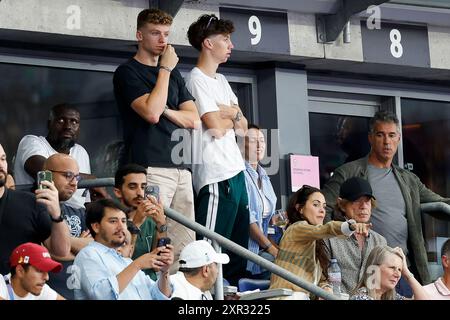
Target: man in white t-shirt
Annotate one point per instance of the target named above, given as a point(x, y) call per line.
point(63, 131)
point(30, 264)
point(198, 271)
point(218, 167)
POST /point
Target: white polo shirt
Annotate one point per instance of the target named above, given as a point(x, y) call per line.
point(437, 290)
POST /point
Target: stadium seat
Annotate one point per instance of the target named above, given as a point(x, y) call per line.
point(247, 284)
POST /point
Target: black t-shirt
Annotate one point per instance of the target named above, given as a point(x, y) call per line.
point(75, 219)
point(23, 220)
point(145, 143)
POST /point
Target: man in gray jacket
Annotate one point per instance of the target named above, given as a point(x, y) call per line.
point(399, 193)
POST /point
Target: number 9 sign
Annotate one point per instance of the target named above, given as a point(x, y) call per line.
point(254, 26)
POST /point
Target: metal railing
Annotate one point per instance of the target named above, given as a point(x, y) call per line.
point(237, 249)
point(433, 207)
point(220, 241)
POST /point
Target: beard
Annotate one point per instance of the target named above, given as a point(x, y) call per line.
point(2, 179)
point(117, 244)
point(129, 203)
point(64, 144)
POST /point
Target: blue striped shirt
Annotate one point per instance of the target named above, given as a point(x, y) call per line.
point(256, 206)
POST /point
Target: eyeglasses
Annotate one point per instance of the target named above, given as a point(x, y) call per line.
point(69, 175)
point(210, 20)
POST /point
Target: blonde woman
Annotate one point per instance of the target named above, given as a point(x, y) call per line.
point(384, 268)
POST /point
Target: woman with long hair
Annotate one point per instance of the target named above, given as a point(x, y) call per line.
point(385, 266)
point(302, 249)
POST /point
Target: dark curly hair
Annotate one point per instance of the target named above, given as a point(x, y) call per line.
point(206, 25)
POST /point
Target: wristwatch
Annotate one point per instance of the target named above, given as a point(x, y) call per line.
point(162, 228)
point(351, 223)
point(57, 220)
point(238, 117)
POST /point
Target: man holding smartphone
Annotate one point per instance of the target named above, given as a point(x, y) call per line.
point(146, 215)
point(153, 100)
point(104, 274)
point(25, 217)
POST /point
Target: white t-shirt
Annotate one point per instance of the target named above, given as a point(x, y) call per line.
point(214, 160)
point(31, 145)
point(185, 290)
point(47, 293)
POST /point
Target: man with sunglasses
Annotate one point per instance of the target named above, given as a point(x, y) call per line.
point(218, 167)
point(66, 175)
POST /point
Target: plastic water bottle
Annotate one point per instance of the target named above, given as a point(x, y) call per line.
point(334, 277)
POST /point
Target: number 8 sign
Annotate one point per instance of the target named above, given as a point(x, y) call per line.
point(396, 46)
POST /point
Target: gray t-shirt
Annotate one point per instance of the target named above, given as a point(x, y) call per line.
point(389, 217)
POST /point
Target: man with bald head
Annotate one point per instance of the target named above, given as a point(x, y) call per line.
point(26, 217)
point(63, 130)
point(66, 175)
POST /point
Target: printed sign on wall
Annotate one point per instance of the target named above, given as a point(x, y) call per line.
point(303, 170)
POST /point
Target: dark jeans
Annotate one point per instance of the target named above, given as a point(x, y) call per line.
point(403, 288)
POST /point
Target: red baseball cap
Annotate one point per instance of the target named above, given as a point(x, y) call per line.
point(35, 255)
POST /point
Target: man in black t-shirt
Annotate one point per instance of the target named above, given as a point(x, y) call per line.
point(25, 217)
point(155, 104)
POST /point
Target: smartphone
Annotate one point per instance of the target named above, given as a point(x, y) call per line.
point(162, 242)
point(43, 176)
point(151, 190)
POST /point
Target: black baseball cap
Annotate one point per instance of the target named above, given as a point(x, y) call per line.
point(354, 188)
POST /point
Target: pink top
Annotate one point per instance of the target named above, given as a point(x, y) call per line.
point(438, 290)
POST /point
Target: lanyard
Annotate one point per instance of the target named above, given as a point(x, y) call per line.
point(10, 289)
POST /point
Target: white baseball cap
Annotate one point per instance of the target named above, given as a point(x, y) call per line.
point(201, 253)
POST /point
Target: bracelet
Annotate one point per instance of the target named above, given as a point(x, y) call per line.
point(165, 68)
point(267, 246)
point(57, 220)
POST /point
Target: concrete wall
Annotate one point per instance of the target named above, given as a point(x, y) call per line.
point(283, 105)
point(116, 19)
point(98, 19)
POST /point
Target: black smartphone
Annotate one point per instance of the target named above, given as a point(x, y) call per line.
point(162, 242)
point(43, 176)
point(151, 190)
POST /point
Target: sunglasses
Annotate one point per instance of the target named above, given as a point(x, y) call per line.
point(211, 19)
